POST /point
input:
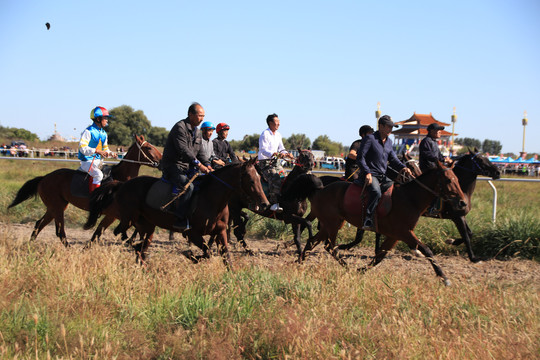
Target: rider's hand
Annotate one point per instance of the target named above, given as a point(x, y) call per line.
point(203, 169)
point(114, 155)
point(369, 180)
point(102, 153)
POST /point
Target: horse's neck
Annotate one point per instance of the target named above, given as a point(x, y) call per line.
point(295, 172)
point(466, 178)
point(420, 195)
point(218, 192)
point(126, 170)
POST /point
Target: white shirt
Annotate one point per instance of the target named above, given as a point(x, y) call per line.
point(270, 143)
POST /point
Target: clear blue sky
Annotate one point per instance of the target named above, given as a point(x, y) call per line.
point(321, 66)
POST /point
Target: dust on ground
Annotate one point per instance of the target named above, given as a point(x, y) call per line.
point(271, 253)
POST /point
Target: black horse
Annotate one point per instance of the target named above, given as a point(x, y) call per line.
point(467, 168)
point(293, 208)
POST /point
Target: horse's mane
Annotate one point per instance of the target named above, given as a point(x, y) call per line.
point(205, 180)
point(419, 178)
point(302, 187)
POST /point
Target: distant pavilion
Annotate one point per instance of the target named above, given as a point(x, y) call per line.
point(414, 130)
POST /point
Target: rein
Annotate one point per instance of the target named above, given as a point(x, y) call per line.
point(221, 181)
point(150, 161)
point(477, 170)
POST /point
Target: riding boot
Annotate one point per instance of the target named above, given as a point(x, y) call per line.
point(182, 222)
point(92, 187)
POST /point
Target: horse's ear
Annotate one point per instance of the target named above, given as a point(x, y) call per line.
point(475, 149)
point(299, 149)
point(252, 160)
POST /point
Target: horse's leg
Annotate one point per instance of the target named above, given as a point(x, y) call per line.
point(102, 226)
point(330, 244)
point(312, 242)
point(223, 248)
point(171, 235)
point(197, 240)
point(357, 240)
point(466, 235)
point(40, 224)
point(415, 244)
point(60, 225)
point(377, 242)
point(240, 230)
point(142, 248)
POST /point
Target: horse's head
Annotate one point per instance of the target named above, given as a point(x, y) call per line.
point(250, 182)
point(449, 189)
point(479, 164)
point(411, 163)
point(305, 159)
point(148, 153)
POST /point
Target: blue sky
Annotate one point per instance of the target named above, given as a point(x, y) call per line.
point(321, 66)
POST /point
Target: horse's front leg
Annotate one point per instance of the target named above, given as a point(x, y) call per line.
point(466, 235)
point(357, 240)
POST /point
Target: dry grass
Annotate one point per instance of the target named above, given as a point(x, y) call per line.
point(70, 303)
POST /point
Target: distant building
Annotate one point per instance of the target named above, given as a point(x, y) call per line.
point(414, 130)
point(56, 136)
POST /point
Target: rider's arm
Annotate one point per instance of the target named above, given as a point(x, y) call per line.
point(365, 145)
point(265, 145)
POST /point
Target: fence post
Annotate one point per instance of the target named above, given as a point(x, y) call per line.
point(494, 214)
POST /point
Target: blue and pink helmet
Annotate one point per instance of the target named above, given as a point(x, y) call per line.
point(98, 112)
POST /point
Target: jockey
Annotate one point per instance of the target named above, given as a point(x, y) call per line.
point(93, 146)
point(373, 156)
point(222, 148)
point(429, 149)
point(351, 168)
point(207, 146)
point(270, 143)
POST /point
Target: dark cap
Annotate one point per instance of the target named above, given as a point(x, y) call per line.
point(386, 120)
point(434, 126)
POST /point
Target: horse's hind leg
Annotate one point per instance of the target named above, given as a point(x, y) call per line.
point(466, 235)
point(40, 224)
point(102, 226)
point(311, 243)
point(331, 247)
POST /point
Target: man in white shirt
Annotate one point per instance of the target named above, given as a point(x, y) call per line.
point(270, 144)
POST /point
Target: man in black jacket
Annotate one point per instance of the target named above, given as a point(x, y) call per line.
point(222, 149)
point(429, 149)
point(182, 157)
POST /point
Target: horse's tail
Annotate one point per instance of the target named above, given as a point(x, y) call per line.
point(28, 190)
point(304, 186)
point(100, 199)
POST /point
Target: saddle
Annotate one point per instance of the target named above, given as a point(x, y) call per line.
point(163, 191)
point(355, 202)
point(81, 180)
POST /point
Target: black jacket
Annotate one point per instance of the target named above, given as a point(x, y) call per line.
point(183, 147)
point(429, 154)
point(223, 150)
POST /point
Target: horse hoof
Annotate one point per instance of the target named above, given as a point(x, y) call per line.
point(417, 253)
point(447, 282)
point(450, 241)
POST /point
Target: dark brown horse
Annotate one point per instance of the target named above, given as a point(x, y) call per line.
point(210, 216)
point(409, 201)
point(293, 207)
point(467, 168)
point(55, 188)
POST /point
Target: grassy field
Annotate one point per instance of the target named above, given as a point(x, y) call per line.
point(68, 303)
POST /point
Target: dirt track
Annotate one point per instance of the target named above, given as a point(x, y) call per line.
point(271, 254)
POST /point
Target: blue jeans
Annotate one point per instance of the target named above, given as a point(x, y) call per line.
point(379, 184)
point(180, 179)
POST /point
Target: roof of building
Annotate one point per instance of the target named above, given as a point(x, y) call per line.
point(415, 132)
point(421, 120)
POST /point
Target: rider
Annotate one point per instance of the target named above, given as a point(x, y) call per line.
point(429, 155)
point(182, 157)
point(271, 143)
point(93, 146)
point(429, 149)
point(351, 168)
point(373, 156)
point(207, 129)
point(222, 148)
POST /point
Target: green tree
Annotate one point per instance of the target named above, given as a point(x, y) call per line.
point(492, 146)
point(298, 141)
point(158, 136)
point(124, 123)
point(17, 134)
point(249, 142)
point(469, 142)
point(331, 148)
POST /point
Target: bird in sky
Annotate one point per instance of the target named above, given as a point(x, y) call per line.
point(48, 26)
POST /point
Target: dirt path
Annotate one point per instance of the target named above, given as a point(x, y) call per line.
point(272, 253)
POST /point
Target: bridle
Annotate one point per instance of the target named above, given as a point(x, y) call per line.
point(141, 151)
point(476, 170)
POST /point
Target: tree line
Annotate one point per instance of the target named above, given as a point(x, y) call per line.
point(125, 121)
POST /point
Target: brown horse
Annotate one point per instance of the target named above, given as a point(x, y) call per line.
point(55, 188)
point(293, 207)
point(409, 201)
point(467, 167)
point(210, 216)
